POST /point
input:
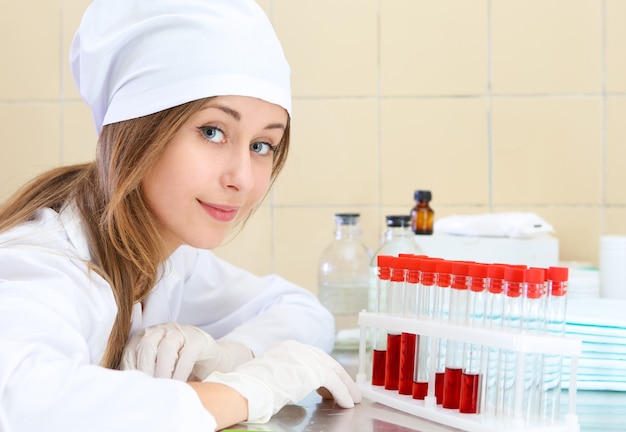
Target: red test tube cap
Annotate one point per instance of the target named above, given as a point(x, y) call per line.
point(535, 280)
point(413, 266)
point(495, 273)
point(384, 266)
point(514, 276)
point(558, 280)
point(429, 268)
point(444, 267)
point(559, 274)
point(478, 272)
point(398, 267)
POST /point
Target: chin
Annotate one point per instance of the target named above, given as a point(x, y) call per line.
point(211, 242)
point(204, 245)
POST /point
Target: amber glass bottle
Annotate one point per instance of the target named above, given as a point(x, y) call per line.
point(422, 216)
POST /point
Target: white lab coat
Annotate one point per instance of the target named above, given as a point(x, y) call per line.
point(56, 316)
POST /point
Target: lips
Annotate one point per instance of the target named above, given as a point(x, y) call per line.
point(220, 212)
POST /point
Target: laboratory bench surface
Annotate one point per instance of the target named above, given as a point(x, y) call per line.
point(597, 411)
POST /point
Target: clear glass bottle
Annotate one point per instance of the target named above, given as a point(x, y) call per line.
point(422, 215)
point(397, 239)
point(343, 277)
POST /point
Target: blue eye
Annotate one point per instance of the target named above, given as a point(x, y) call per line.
point(212, 133)
point(262, 148)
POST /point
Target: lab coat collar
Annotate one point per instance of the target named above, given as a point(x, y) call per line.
point(74, 227)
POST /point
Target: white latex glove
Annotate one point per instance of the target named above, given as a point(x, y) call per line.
point(182, 352)
point(285, 374)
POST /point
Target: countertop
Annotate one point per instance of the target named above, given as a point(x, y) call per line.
point(596, 410)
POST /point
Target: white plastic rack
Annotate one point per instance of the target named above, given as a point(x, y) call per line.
point(520, 342)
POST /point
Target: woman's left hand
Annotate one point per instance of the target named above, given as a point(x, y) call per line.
point(285, 374)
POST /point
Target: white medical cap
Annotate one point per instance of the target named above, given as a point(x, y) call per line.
point(131, 58)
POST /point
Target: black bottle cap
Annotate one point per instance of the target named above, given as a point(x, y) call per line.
point(398, 220)
point(422, 195)
point(347, 218)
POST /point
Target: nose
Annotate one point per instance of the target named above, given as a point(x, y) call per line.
point(238, 169)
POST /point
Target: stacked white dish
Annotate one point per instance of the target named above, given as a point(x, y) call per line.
point(584, 282)
point(601, 325)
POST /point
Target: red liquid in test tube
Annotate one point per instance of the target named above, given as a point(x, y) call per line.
point(454, 349)
point(392, 362)
point(452, 386)
point(379, 354)
point(441, 313)
point(396, 291)
point(425, 312)
point(471, 380)
point(411, 300)
point(407, 362)
point(378, 366)
point(470, 391)
point(439, 388)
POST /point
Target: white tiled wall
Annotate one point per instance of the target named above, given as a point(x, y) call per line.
point(494, 105)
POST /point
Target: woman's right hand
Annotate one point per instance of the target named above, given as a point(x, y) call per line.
point(284, 374)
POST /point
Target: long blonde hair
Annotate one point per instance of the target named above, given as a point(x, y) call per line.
point(125, 245)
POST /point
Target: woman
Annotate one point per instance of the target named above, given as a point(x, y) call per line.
point(105, 266)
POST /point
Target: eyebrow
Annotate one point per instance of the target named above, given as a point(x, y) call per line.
point(237, 116)
point(231, 112)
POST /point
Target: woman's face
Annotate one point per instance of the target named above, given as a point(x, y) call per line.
point(215, 170)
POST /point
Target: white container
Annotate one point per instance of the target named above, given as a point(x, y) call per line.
point(613, 266)
point(538, 251)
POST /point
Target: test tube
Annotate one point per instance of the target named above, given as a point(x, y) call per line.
point(411, 303)
point(454, 350)
point(533, 322)
point(471, 377)
point(493, 321)
point(426, 311)
point(441, 313)
point(396, 291)
point(555, 325)
point(380, 339)
point(513, 289)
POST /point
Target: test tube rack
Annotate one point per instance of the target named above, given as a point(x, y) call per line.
point(520, 342)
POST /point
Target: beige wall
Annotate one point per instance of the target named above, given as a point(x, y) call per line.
point(494, 105)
